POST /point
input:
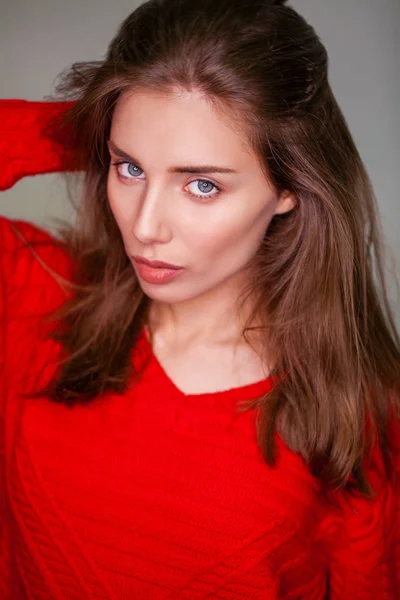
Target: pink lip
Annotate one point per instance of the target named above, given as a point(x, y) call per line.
point(155, 263)
point(156, 274)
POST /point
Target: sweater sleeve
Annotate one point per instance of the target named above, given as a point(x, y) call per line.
point(363, 542)
point(25, 147)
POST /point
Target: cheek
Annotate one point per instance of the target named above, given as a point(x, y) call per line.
point(111, 196)
point(122, 209)
point(230, 244)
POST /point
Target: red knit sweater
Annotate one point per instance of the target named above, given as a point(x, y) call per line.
point(156, 494)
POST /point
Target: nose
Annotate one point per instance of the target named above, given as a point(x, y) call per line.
point(150, 223)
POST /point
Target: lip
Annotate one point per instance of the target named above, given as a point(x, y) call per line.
point(156, 274)
point(155, 263)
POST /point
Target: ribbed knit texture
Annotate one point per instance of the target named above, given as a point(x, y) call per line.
point(156, 494)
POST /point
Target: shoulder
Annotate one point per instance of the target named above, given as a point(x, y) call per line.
point(29, 254)
point(16, 233)
point(35, 272)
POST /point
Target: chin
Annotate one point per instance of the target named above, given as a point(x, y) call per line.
point(162, 293)
point(169, 296)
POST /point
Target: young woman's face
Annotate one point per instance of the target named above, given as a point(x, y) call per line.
point(211, 223)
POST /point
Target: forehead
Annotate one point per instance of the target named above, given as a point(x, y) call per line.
point(180, 122)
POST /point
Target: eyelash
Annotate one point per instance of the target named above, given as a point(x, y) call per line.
point(125, 162)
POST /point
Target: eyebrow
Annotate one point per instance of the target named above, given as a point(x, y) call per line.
point(184, 169)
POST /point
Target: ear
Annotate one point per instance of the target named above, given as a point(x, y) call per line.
point(286, 202)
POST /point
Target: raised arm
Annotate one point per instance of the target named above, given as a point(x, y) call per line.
point(25, 148)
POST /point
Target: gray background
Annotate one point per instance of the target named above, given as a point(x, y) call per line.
point(39, 38)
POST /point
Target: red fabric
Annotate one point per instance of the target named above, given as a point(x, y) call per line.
point(25, 148)
point(154, 493)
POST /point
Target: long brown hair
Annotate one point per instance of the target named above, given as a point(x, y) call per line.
point(317, 281)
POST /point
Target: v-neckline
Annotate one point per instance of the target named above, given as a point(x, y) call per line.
point(245, 392)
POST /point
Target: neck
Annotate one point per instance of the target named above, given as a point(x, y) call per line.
point(211, 318)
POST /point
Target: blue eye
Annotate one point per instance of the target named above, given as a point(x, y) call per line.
point(203, 185)
point(132, 171)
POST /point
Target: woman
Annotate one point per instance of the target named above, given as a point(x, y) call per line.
point(223, 425)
